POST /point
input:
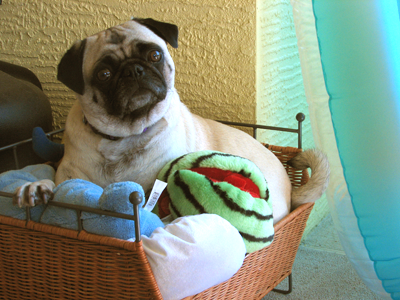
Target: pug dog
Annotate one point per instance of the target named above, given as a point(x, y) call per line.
point(128, 120)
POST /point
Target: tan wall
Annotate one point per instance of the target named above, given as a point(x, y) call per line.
point(215, 60)
point(237, 60)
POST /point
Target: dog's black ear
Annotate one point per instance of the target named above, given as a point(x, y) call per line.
point(70, 68)
point(168, 32)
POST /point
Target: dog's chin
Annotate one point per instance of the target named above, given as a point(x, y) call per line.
point(137, 117)
point(131, 100)
point(129, 108)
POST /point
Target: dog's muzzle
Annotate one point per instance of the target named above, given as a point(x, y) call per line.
point(140, 77)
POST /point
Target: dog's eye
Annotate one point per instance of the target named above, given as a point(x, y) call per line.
point(155, 56)
point(104, 74)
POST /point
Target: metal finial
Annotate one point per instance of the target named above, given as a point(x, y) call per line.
point(135, 198)
point(300, 117)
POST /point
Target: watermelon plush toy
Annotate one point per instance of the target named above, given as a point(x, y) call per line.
point(218, 183)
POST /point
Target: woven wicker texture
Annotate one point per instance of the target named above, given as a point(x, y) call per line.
point(45, 262)
point(263, 270)
point(284, 154)
point(39, 261)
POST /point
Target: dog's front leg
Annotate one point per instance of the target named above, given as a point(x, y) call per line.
point(33, 193)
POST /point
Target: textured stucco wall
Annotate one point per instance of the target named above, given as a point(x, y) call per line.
point(280, 90)
point(215, 60)
point(236, 61)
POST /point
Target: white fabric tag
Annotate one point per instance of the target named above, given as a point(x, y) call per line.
point(158, 188)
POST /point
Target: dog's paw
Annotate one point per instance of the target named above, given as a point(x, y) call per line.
point(33, 193)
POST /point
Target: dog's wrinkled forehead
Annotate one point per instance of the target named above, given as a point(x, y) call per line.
point(115, 35)
point(121, 40)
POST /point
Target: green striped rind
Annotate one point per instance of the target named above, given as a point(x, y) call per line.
point(215, 159)
point(192, 193)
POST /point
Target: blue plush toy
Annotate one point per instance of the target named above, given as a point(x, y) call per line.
point(114, 197)
point(45, 148)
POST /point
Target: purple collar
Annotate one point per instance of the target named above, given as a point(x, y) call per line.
point(106, 136)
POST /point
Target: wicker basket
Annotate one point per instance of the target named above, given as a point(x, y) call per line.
point(39, 261)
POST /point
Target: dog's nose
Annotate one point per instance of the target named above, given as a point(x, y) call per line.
point(139, 70)
point(134, 70)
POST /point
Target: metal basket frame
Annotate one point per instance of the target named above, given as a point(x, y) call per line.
point(135, 217)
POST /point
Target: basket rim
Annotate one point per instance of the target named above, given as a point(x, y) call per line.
point(83, 235)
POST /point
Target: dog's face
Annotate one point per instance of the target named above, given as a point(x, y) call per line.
point(123, 76)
